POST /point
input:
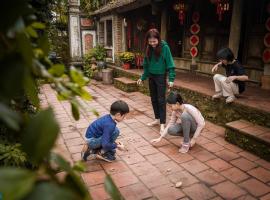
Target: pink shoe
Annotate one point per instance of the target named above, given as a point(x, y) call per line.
point(184, 148)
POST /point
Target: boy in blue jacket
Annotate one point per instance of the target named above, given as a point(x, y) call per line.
point(102, 133)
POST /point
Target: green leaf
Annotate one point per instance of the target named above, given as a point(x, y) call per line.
point(75, 110)
point(40, 135)
point(57, 70)
point(51, 191)
point(60, 162)
point(111, 188)
point(38, 25)
point(25, 48)
point(79, 166)
point(10, 117)
point(31, 89)
point(43, 43)
point(32, 32)
point(15, 183)
point(85, 95)
point(77, 76)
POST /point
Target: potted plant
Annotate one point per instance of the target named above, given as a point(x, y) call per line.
point(126, 58)
point(94, 62)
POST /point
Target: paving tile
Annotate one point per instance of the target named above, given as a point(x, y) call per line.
point(253, 130)
point(194, 166)
point(243, 164)
point(234, 174)
point(157, 158)
point(124, 178)
point(204, 155)
point(202, 141)
point(168, 167)
point(261, 174)
point(143, 168)
point(115, 167)
point(74, 141)
point(218, 164)
point(228, 190)
point(135, 192)
point(93, 178)
point(98, 192)
point(213, 147)
point(199, 191)
point(181, 158)
point(220, 140)
point(133, 158)
point(263, 163)
point(249, 156)
point(154, 179)
point(233, 148)
point(240, 124)
point(255, 187)
point(210, 177)
point(209, 134)
point(147, 150)
point(185, 177)
point(227, 155)
point(75, 149)
point(169, 149)
point(93, 165)
point(167, 192)
point(71, 135)
point(266, 197)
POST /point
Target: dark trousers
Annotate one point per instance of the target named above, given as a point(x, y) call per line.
point(157, 87)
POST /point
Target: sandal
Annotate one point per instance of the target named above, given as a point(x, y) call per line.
point(184, 148)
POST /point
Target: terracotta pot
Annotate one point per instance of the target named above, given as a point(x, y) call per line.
point(126, 65)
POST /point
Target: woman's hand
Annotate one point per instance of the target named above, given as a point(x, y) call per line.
point(139, 81)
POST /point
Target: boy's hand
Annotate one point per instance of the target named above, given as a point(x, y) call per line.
point(156, 140)
point(121, 146)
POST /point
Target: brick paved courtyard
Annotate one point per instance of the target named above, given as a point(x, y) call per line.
point(213, 169)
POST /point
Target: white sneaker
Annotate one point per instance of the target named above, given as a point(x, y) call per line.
point(217, 95)
point(153, 123)
point(230, 99)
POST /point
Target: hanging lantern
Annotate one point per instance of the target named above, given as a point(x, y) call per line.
point(180, 7)
point(222, 7)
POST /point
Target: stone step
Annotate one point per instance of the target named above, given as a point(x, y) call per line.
point(249, 136)
point(125, 84)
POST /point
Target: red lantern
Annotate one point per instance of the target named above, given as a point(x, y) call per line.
point(180, 7)
point(222, 7)
point(193, 51)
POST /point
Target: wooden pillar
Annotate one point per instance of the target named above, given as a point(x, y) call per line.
point(163, 26)
point(236, 22)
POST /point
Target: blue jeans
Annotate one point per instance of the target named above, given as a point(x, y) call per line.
point(186, 128)
point(95, 143)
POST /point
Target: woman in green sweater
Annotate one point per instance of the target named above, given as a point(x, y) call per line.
point(157, 62)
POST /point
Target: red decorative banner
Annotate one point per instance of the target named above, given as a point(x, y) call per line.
point(266, 55)
point(195, 28)
point(194, 40)
point(267, 40)
point(195, 17)
point(267, 24)
point(193, 51)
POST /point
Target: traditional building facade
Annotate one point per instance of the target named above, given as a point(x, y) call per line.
point(194, 30)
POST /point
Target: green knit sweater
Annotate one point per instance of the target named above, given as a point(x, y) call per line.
point(161, 65)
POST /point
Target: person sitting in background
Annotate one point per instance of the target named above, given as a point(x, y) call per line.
point(234, 82)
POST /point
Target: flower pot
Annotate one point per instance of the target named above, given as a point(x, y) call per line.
point(126, 65)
